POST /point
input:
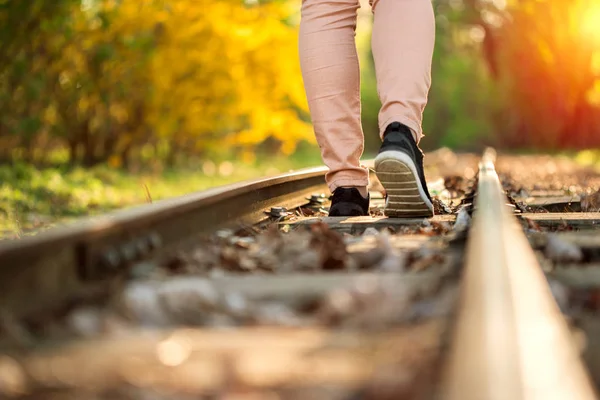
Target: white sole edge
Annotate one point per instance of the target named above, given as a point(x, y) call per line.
point(391, 168)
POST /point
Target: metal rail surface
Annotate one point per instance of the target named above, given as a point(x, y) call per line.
point(41, 272)
point(510, 340)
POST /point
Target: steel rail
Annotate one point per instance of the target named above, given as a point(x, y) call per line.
point(46, 270)
point(509, 340)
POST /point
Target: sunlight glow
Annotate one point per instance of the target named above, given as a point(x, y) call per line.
point(591, 22)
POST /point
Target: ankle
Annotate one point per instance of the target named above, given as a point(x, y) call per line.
point(399, 127)
point(364, 192)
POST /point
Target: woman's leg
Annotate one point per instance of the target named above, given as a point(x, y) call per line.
point(331, 75)
point(403, 41)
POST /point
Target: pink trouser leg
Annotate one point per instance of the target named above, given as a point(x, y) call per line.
point(403, 40)
point(331, 75)
point(402, 44)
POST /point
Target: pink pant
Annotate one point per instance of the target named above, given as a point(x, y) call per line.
point(402, 44)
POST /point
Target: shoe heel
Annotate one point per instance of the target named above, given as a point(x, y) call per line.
point(405, 196)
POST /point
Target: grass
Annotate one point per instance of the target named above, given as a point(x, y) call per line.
point(32, 200)
point(588, 158)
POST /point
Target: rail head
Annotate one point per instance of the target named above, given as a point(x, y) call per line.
point(52, 265)
point(510, 340)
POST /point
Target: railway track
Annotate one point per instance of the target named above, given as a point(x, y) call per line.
point(251, 292)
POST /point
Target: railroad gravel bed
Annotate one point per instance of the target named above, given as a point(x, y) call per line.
point(310, 307)
point(566, 238)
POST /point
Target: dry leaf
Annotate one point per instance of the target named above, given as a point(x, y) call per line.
point(532, 225)
point(330, 245)
point(591, 203)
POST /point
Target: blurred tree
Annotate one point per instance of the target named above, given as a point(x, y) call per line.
point(108, 78)
point(465, 107)
point(517, 73)
point(115, 80)
point(542, 67)
point(21, 76)
point(551, 66)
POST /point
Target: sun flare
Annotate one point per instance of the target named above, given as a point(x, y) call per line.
point(591, 21)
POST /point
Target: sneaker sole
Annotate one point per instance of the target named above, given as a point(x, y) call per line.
point(406, 197)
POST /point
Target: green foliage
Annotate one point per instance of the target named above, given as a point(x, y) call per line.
point(463, 103)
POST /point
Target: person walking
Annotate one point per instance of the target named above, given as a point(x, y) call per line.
point(402, 44)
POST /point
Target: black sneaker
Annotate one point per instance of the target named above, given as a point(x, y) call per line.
point(399, 168)
point(348, 202)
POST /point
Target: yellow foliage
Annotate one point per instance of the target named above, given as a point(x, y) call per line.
point(192, 74)
point(593, 95)
point(221, 69)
